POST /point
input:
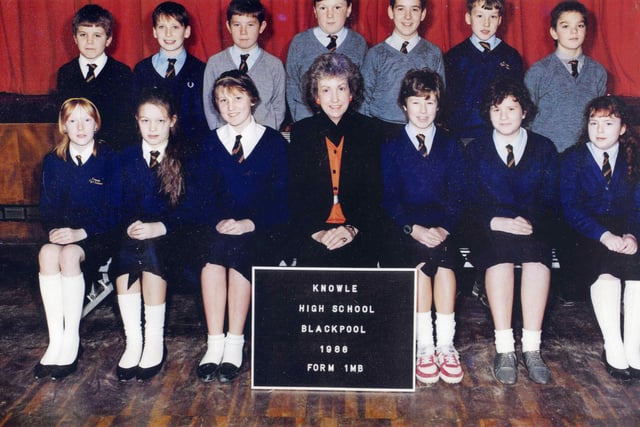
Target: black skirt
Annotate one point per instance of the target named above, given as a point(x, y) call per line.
point(497, 247)
point(403, 251)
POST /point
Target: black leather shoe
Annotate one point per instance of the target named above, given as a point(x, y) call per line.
point(59, 372)
point(143, 374)
point(125, 374)
point(208, 372)
point(42, 371)
point(228, 372)
point(538, 371)
point(505, 368)
point(619, 374)
point(635, 373)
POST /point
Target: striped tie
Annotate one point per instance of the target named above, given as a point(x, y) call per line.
point(606, 168)
point(486, 46)
point(422, 148)
point(403, 48)
point(238, 152)
point(574, 67)
point(243, 63)
point(171, 69)
point(511, 160)
point(332, 44)
point(153, 160)
point(79, 160)
point(91, 74)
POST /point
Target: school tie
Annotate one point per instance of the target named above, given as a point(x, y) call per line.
point(403, 48)
point(486, 46)
point(511, 160)
point(238, 152)
point(91, 74)
point(243, 63)
point(153, 160)
point(332, 43)
point(79, 160)
point(574, 67)
point(606, 168)
point(422, 148)
point(171, 69)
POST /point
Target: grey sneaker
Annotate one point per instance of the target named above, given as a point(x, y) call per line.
point(538, 371)
point(505, 368)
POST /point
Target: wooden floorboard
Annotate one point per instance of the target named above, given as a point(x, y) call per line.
point(581, 392)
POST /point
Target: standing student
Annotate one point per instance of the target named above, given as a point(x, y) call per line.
point(246, 21)
point(329, 36)
point(239, 197)
point(600, 201)
point(152, 171)
point(79, 208)
point(423, 179)
point(98, 77)
point(402, 51)
point(513, 192)
point(175, 69)
point(562, 84)
point(471, 66)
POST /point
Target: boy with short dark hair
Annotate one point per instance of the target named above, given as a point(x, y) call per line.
point(246, 21)
point(563, 83)
point(330, 35)
point(402, 51)
point(174, 69)
point(472, 65)
point(98, 77)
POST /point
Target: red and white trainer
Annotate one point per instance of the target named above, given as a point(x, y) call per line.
point(427, 371)
point(449, 365)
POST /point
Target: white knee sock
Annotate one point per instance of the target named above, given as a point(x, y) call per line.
point(632, 323)
point(424, 333)
point(130, 311)
point(73, 300)
point(605, 297)
point(445, 329)
point(215, 349)
point(153, 336)
point(531, 340)
point(505, 343)
point(51, 292)
point(233, 345)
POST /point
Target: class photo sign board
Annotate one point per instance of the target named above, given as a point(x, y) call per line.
point(333, 329)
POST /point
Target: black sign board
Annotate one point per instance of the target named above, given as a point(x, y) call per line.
point(333, 329)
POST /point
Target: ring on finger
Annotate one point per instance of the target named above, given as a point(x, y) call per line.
point(344, 239)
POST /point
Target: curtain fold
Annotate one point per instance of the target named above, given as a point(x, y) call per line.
point(35, 35)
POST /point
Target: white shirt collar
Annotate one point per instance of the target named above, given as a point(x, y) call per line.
point(428, 133)
point(100, 61)
point(250, 136)
point(395, 41)
point(85, 153)
point(323, 37)
point(147, 149)
point(254, 54)
point(518, 145)
point(493, 42)
point(598, 154)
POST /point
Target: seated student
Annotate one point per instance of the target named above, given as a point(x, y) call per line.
point(402, 51)
point(98, 77)
point(512, 189)
point(246, 21)
point(423, 179)
point(330, 35)
point(239, 197)
point(600, 201)
point(152, 171)
point(334, 157)
point(79, 209)
point(471, 66)
point(175, 69)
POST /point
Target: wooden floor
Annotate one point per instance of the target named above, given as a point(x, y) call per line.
point(581, 392)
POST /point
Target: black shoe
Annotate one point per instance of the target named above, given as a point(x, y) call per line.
point(618, 374)
point(125, 374)
point(539, 373)
point(143, 374)
point(635, 373)
point(59, 372)
point(42, 371)
point(208, 372)
point(505, 368)
point(228, 372)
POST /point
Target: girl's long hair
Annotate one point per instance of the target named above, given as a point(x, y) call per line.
point(66, 110)
point(169, 170)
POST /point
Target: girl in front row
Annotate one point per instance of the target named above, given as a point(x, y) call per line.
point(239, 197)
point(423, 180)
point(513, 192)
point(152, 172)
point(79, 207)
point(601, 201)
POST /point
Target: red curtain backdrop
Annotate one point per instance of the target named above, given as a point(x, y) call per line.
point(36, 35)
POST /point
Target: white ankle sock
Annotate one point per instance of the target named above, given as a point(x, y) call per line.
point(424, 331)
point(153, 336)
point(233, 345)
point(73, 299)
point(531, 340)
point(632, 323)
point(445, 329)
point(505, 343)
point(130, 311)
point(215, 350)
point(51, 292)
point(605, 297)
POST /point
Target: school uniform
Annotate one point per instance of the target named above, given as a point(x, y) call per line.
point(221, 188)
point(422, 190)
point(529, 190)
point(110, 91)
point(312, 195)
